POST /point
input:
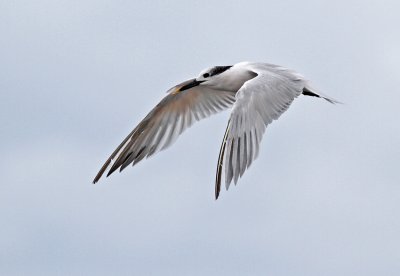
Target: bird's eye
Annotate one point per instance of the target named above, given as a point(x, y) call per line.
point(206, 75)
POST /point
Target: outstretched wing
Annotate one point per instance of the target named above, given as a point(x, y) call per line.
point(160, 128)
point(259, 101)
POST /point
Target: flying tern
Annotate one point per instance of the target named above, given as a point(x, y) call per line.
point(257, 94)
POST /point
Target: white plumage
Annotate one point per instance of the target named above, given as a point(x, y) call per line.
point(258, 94)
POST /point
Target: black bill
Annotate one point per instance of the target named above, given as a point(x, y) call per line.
point(189, 84)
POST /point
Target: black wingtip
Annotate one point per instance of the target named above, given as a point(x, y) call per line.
point(97, 178)
point(216, 193)
point(111, 171)
point(220, 163)
point(102, 170)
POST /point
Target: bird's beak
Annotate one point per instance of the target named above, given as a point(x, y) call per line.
point(188, 84)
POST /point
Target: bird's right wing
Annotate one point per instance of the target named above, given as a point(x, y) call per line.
point(259, 101)
point(159, 129)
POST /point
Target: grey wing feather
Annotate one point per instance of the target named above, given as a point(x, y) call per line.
point(258, 102)
point(160, 128)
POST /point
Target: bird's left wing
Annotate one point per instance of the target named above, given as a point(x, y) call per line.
point(159, 129)
point(259, 101)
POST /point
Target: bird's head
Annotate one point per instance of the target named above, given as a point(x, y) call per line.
point(208, 77)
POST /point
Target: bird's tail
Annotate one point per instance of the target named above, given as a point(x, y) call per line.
point(308, 90)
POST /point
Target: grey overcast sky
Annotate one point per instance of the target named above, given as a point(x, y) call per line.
point(323, 198)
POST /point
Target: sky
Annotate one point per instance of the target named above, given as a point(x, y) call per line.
point(323, 198)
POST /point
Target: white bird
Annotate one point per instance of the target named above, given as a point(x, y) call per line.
point(258, 94)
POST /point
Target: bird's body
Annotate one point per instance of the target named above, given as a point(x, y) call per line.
point(258, 94)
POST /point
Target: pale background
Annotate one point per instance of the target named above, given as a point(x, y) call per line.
point(323, 198)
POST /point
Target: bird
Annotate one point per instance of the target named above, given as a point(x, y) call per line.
point(257, 94)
